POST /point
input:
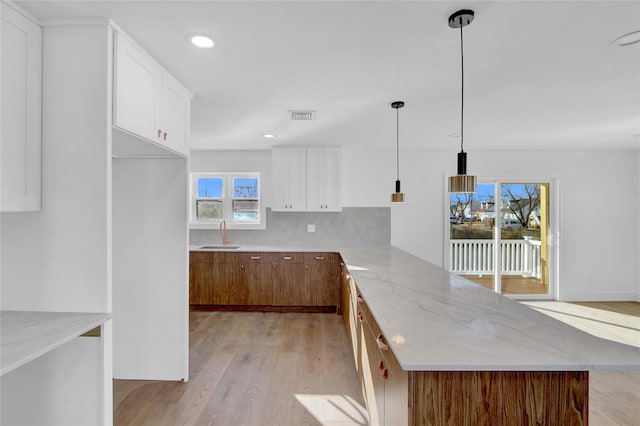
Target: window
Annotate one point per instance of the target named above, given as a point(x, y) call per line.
point(232, 197)
point(499, 237)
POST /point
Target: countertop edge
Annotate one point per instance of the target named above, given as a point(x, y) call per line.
point(42, 341)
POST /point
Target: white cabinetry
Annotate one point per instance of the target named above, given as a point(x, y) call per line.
point(148, 101)
point(289, 173)
point(175, 114)
point(323, 177)
point(306, 179)
point(21, 121)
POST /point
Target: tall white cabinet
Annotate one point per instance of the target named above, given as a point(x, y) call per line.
point(289, 173)
point(111, 237)
point(20, 120)
point(323, 179)
point(306, 179)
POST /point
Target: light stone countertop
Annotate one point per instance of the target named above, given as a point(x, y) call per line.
point(27, 335)
point(240, 248)
point(436, 321)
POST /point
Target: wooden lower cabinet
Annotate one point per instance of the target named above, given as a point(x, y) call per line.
point(321, 282)
point(398, 397)
point(212, 279)
point(255, 278)
point(286, 279)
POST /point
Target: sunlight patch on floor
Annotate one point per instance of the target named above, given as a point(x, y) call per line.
point(622, 328)
point(331, 410)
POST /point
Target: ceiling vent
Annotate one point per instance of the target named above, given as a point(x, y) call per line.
point(303, 115)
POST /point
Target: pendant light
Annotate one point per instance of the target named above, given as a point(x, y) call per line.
point(462, 183)
point(397, 197)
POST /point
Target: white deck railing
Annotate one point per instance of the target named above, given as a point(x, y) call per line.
point(476, 257)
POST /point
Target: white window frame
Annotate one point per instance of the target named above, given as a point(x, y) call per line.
point(227, 202)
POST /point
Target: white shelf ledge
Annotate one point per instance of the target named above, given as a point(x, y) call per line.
point(27, 335)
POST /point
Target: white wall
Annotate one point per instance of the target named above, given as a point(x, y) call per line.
point(637, 209)
point(598, 251)
point(59, 258)
point(369, 176)
point(150, 272)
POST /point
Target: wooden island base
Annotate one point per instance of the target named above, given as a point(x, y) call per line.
point(500, 397)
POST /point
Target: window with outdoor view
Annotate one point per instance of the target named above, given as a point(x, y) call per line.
point(499, 237)
point(230, 197)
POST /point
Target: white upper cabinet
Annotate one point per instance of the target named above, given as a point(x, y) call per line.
point(289, 171)
point(21, 119)
point(148, 101)
point(306, 179)
point(137, 88)
point(176, 114)
point(323, 177)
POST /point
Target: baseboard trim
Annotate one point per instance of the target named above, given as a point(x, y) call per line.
point(265, 308)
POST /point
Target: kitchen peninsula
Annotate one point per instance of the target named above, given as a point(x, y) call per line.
point(434, 348)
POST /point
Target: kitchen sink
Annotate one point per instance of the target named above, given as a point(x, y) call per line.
point(219, 247)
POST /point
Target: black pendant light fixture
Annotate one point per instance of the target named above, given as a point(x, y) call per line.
point(398, 196)
point(462, 182)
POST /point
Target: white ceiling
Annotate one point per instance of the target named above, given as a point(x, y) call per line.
point(537, 74)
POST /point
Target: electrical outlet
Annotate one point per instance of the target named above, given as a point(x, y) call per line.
point(311, 228)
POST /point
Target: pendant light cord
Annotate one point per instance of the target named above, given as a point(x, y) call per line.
point(461, 91)
point(397, 144)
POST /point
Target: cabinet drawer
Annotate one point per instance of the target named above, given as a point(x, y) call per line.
point(287, 257)
point(320, 257)
point(207, 257)
point(252, 257)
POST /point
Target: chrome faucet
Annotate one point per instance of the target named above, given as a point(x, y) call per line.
point(223, 231)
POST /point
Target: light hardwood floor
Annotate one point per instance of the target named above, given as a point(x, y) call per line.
point(252, 368)
point(614, 396)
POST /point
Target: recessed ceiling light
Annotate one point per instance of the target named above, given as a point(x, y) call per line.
point(202, 41)
point(628, 39)
point(269, 135)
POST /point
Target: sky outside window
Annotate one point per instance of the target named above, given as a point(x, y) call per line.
point(210, 187)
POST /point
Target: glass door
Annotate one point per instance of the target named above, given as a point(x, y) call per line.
point(498, 237)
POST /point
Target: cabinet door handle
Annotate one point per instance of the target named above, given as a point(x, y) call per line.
point(360, 299)
point(381, 364)
point(287, 257)
point(320, 257)
point(242, 267)
point(164, 136)
point(159, 132)
point(385, 374)
point(256, 257)
point(381, 344)
point(360, 317)
point(274, 267)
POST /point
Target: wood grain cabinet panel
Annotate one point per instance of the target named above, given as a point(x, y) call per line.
point(225, 284)
point(501, 397)
point(396, 392)
point(321, 279)
point(287, 279)
point(255, 278)
point(213, 279)
point(282, 279)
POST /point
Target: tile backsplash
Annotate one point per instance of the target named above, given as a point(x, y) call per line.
point(352, 226)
